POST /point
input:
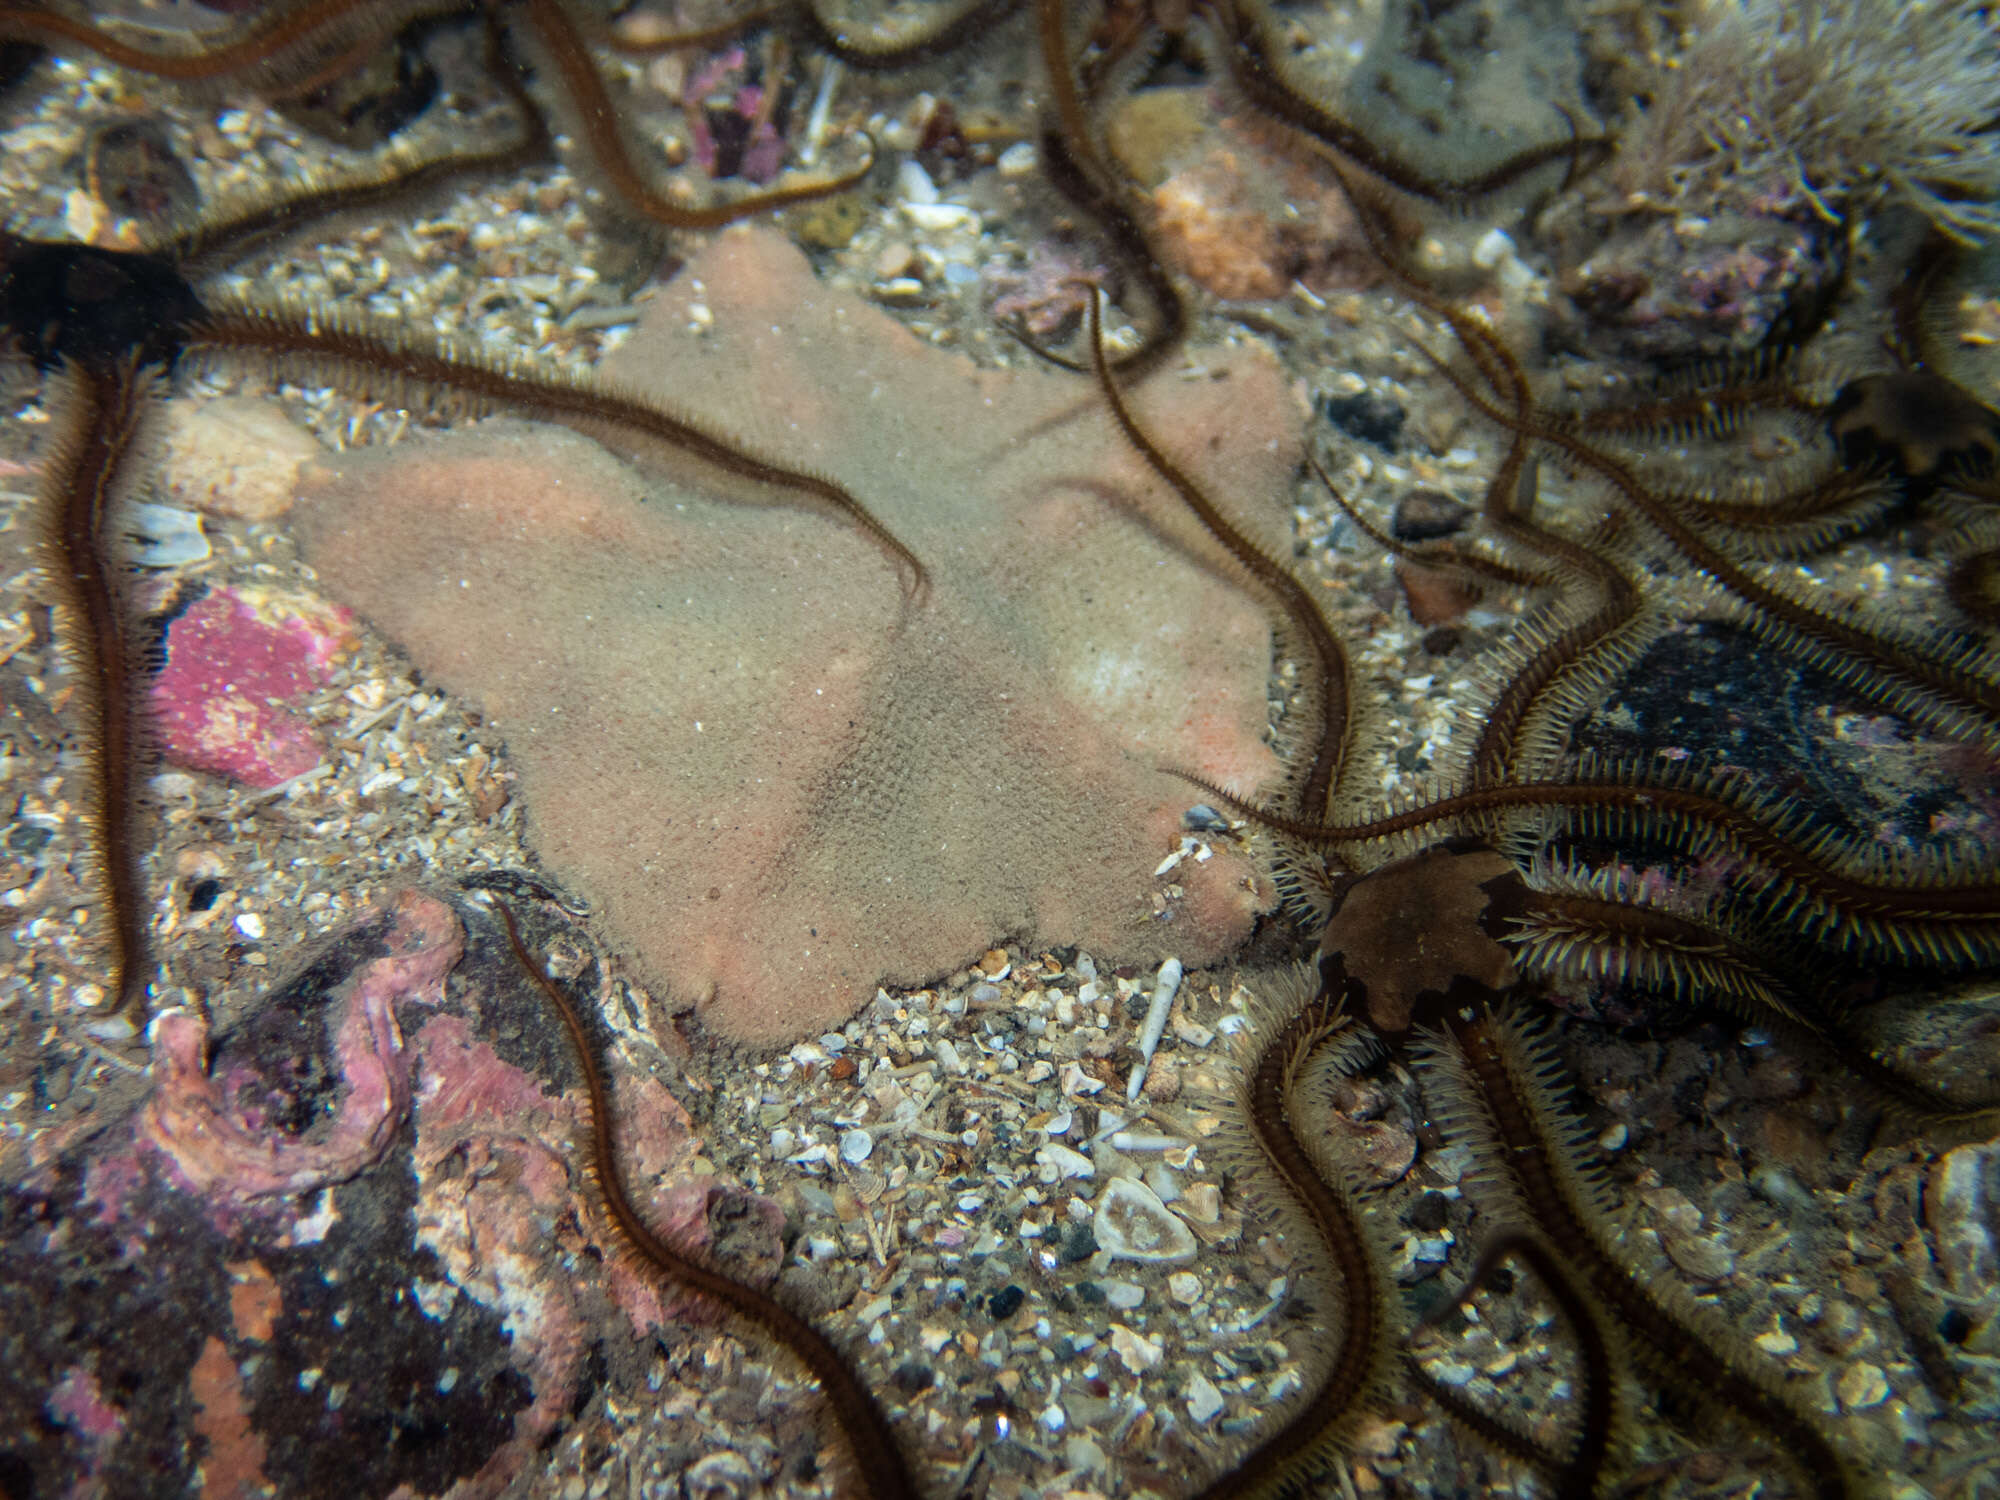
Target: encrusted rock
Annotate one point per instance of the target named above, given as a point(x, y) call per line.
point(235, 456)
point(235, 659)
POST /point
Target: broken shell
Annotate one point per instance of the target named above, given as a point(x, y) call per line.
point(1133, 1224)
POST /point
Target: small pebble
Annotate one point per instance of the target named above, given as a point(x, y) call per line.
point(855, 1146)
point(896, 259)
point(1059, 1163)
point(1204, 1401)
point(1135, 1351)
point(1184, 1287)
point(1017, 161)
point(913, 183)
point(1777, 1343)
point(1862, 1385)
point(1123, 1295)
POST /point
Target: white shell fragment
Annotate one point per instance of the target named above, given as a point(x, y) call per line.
point(1059, 1162)
point(1204, 1401)
point(1963, 1196)
point(164, 536)
point(1134, 1350)
point(1132, 1223)
point(1165, 987)
point(855, 1146)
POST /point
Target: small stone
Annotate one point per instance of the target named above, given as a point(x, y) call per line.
point(1184, 1287)
point(1204, 1401)
point(1373, 418)
point(1777, 1343)
point(993, 963)
point(1132, 1223)
point(1123, 1295)
point(1425, 515)
point(940, 216)
point(896, 259)
point(1063, 1163)
point(1703, 1259)
point(1862, 1385)
point(1082, 1454)
point(914, 184)
point(235, 456)
point(1017, 161)
point(1135, 1351)
point(1004, 1303)
point(855, 1146)
point(1436, 597)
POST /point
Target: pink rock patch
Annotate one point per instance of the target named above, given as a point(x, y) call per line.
point(237, 662)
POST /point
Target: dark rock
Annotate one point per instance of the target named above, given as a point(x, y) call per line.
point(1430, 1212)
point(1004, 1303)
point(76, 302)
point(364, 107)
point(1370, 417)
point(131, 168)
point(1426, 515)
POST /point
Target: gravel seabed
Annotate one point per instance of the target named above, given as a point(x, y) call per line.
point(944, 1156)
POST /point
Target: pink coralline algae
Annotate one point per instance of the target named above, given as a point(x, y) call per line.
point(77, 1404)
point(733, 122)
point(238, 660)
point(217, 1129)
point(319, 1240)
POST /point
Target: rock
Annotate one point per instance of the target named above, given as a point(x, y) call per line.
point(1132, 1223)
point(1204, 1401)
point(235, 658)
point(1059, 1162)
point(1134, 1350)
point(235, 456)
point(221, 1126)
point(1425, 515)
point(1456, 89)
point(1231, 208)
point(1862, 1385)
